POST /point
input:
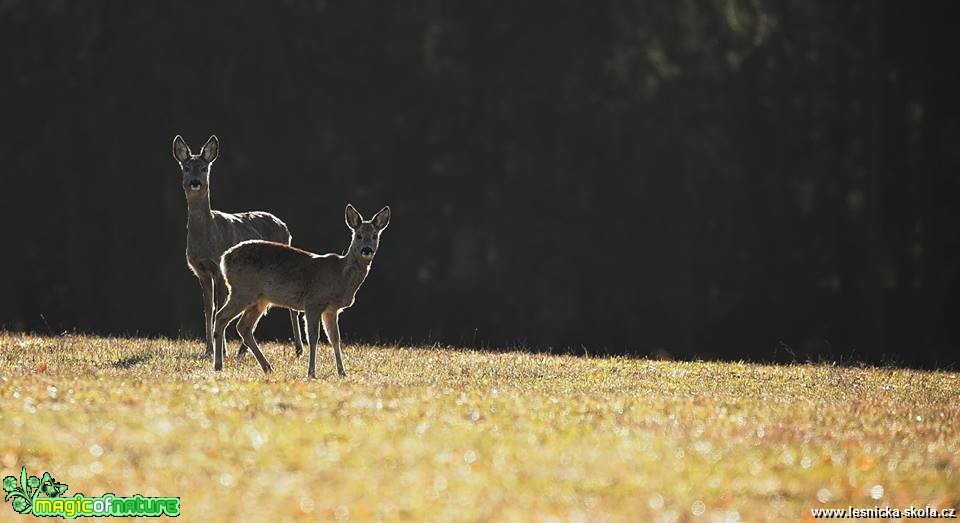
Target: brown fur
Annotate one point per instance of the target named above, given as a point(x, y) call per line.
point(210, 233)
point(260, 274)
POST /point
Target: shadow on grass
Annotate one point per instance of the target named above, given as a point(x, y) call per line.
point(130, 361)
point(780, 355)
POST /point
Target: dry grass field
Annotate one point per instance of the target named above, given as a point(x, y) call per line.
point(447, 434)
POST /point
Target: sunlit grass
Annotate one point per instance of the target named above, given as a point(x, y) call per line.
point(451, 434)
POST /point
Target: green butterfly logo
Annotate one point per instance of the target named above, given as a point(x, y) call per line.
point(22, 494)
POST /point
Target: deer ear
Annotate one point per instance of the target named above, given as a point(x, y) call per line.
point(181, 151)
point(352, 217)
point(382, 218)
point(211, 149)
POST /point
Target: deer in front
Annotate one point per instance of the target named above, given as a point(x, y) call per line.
point(210, 233)
point(261, 274)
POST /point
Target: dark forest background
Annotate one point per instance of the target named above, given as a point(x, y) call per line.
point(705, 178)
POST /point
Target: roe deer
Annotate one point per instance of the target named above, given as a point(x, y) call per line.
point(260, 274)
point(210, 233)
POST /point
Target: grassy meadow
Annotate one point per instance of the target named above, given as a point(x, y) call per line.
point(447, 434)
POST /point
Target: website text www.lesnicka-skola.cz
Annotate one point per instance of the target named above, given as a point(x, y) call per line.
point(884, 512)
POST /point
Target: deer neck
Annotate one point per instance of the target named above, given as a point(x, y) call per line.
point(199, 215)
point(355, 270)
point(200, 233)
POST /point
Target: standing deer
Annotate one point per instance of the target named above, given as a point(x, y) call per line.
point(261, 274)
point(210, 233)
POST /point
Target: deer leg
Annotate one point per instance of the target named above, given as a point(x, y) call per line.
point(331, 324)
point(297, 338)
point(245, 318)
point(206, 286)
point(220, 293)
point(312, 316)
point(230, 310)
point(246, 326)
point(294, 315)
point(242, 349)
